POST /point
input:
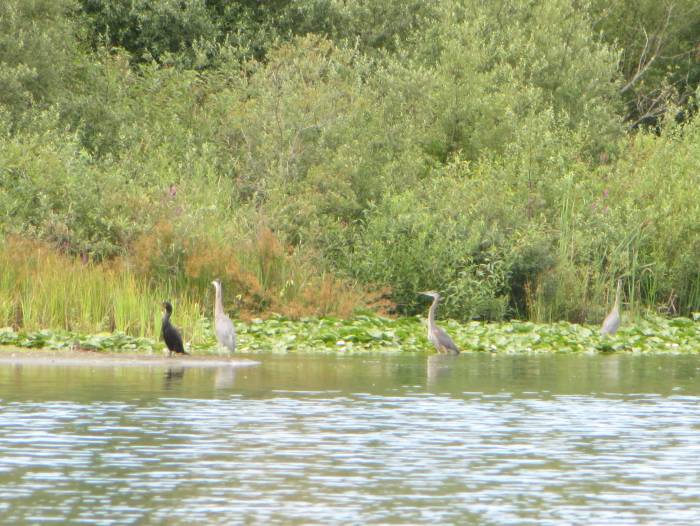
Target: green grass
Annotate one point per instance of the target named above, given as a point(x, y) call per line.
point(362, 334)
point(41, 289)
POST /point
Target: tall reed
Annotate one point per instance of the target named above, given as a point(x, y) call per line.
point(40, 289)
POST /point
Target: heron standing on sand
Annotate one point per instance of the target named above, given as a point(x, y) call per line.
point(223, 326)
point(438, 337)
point(612, 321)
point(169, 332)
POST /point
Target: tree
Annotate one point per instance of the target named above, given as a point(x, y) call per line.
point(659, 43)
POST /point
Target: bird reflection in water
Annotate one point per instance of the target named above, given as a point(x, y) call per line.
point(173, 376)
point(224, 377)
point(440, 367)
point(610, 370)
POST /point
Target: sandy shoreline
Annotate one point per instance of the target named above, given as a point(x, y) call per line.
point(13, 355)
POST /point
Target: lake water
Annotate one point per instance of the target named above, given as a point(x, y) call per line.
point(476, 439)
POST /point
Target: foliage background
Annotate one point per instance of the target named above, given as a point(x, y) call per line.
point(324, 156)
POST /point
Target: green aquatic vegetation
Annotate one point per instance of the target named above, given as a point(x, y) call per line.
point(60, 340)
point(367, 333)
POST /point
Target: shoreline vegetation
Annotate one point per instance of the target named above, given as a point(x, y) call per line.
point(327, 160)
point(369, 333)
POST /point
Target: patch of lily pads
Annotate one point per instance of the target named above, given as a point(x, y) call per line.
point(367, 333)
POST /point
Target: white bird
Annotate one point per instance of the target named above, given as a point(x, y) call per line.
point(223, 326)
point(612, 321)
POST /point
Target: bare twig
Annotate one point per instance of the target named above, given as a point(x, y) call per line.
point(657, 40)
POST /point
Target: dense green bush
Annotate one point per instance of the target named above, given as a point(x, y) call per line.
point(430, 238)
point(475, 148)
point(658, 44)
point(50, 189)
point(482, 72)
point(204, 33)
point(40, 59)
point(187, 33)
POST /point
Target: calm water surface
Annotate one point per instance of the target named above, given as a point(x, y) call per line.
point(477, 439)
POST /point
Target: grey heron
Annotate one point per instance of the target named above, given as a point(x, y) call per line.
point(223, 326)
point(438, 337)
point(612, 321)
point(169, 333)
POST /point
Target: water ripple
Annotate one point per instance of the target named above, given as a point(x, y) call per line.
point(399, 456)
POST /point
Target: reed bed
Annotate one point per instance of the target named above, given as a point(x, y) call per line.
point(42, 289)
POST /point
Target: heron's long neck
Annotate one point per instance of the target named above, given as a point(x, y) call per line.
point(218, 303)
point(617, 296)
point(431, 313)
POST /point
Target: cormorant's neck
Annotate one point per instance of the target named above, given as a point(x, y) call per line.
point(166, 317)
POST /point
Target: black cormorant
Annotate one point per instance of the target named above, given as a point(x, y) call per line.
point(170, 333)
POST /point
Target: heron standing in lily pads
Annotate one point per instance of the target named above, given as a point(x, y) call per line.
point(438, 337)
point(612, 321)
